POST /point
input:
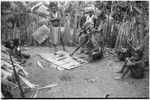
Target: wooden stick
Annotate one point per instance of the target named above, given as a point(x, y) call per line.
point(35, 95)
point(17, 86)
point(17, 77)
point(47, 86)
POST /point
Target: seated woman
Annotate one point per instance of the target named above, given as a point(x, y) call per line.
point(135, 65)
point(92, 48)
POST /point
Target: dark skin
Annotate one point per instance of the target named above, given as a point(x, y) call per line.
point(13, 45)
point(91, 52)
point(125, 52)
point(80, 45)
point(9, 44)
point(54, 9)
point(131, 63)
point(87, 31)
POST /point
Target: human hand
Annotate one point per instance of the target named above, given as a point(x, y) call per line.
point(127, 59)
point(129, 63)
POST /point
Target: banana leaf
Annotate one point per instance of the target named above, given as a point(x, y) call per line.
point(18, 68)
point(8, 82)
point(5, 74)
point(28, 83)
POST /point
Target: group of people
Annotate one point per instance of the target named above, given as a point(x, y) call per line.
point(87, 43)
point(133, 61)
point(132, 57)
point(133, 64)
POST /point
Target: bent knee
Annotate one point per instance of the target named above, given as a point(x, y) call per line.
point(96, 53)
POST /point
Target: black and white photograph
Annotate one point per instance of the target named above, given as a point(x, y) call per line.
point(74, 49)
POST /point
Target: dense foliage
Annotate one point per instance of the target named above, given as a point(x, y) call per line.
point(111, 15)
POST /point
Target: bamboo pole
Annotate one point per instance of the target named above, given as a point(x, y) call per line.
point(117, 41)
point(69, 29)
point(59, 15)
point(17, 77)
point(144, 42)
point(75, 25)
point(65, 26)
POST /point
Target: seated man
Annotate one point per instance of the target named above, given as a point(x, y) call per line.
point(13, 45)
point(92, 48)
point(125, 52)
point(18, 50)
point(135, 65)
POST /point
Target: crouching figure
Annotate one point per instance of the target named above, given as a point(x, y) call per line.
point(135, 65)
point(15, 50)
point(89, 47)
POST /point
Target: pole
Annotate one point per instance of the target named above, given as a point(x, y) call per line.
point(17, 77)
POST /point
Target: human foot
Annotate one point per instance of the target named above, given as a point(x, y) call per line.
point(119, 78)
point(119, 72)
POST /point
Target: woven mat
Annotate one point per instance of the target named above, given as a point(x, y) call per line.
point(63, 60)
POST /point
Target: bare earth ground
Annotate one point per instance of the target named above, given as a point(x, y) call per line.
point(91, 80)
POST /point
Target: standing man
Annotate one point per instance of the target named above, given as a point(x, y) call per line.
point(55, 19)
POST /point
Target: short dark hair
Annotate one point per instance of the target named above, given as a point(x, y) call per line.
point(139, 52)
point(53, 4)
point(16, 42)
point(8, 44)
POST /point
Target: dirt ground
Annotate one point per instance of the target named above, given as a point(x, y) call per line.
point(90, 80)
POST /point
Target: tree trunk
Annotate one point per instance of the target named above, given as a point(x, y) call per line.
point(119, 34)
point(75, 27)
point(144, 42)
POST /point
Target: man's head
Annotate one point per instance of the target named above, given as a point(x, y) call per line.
point(9, 44)
point(138, 54)
point(83, 32)
point(53, 6)
point(129, 41)
point(90, 13)
point(16, 42)
point(83, 36)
